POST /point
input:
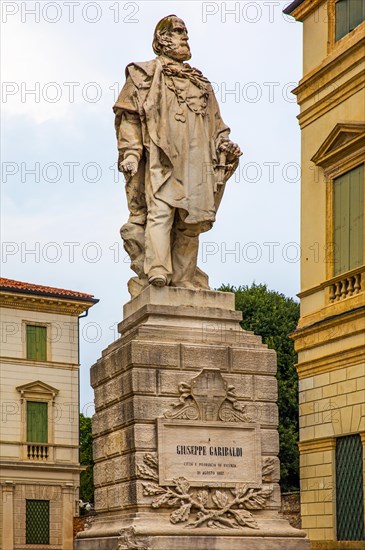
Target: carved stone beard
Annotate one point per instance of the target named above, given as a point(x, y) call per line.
point(177, 52)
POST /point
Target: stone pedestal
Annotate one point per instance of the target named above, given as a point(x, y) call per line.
point(185, 431)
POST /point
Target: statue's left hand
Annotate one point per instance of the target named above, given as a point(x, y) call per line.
point(231, 149)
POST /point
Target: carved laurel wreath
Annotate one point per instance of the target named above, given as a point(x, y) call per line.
point(227, 508)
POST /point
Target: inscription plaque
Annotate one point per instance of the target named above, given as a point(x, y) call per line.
point(209, 453)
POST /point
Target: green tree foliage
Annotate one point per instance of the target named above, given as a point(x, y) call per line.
point(86, 459)
point(273, 316)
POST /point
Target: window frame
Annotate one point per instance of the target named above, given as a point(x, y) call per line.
point(336, 474)
point(26, 522)
point(342, 150)
point(335, 21)
point(37, 391)
point(330, 225)
point(331, 17)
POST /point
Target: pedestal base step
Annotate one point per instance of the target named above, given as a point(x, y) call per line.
point(273, 535)
point(208, 542)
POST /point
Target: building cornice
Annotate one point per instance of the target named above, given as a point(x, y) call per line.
point(324, 321)
point(34, 467)
point(330, 101)
point(39, 303)
point(39, 364)
point(332, 312)
point(330, 329)
point(342, 59)
point(331, 362)
point(317, 445)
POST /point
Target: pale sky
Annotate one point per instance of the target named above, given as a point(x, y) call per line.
point(62, 66)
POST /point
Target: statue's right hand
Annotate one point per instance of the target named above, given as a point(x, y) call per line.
point(129, 165)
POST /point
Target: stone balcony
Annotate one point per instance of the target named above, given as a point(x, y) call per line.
point(39, 452)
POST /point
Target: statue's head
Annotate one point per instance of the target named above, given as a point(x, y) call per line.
point(171, 39)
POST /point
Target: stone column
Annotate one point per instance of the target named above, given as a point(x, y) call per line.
point(8, 515)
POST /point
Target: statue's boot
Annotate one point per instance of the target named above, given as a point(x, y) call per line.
point(134, 244)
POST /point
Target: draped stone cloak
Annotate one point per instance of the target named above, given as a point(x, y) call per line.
point(173, 128)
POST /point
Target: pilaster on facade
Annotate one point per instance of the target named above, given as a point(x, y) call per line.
point(7, 500)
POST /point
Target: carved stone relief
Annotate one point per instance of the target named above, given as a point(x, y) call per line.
point(208, 397)
point(204, 507)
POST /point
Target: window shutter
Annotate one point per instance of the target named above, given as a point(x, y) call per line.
point(341, 19)
point(37, 422)
point(31, 345)
point(341, 223)
point(356, 221)
point(36, 343)
point(356, 13)
point(349, 14)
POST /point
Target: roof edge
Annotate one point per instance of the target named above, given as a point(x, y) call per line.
point(65, 297)
point(289, 9)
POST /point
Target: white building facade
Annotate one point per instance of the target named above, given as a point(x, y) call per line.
point(39, 428)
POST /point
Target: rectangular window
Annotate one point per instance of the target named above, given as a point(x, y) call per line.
point(349, 220)
point(349, 488)
point(37, 422)
point(349, 14)
point(36, 343)
point(37, 522)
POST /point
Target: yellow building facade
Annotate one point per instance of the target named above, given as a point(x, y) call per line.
point(39, 424)
point(330, 338)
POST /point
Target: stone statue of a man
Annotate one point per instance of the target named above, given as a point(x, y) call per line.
point(176, 156)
